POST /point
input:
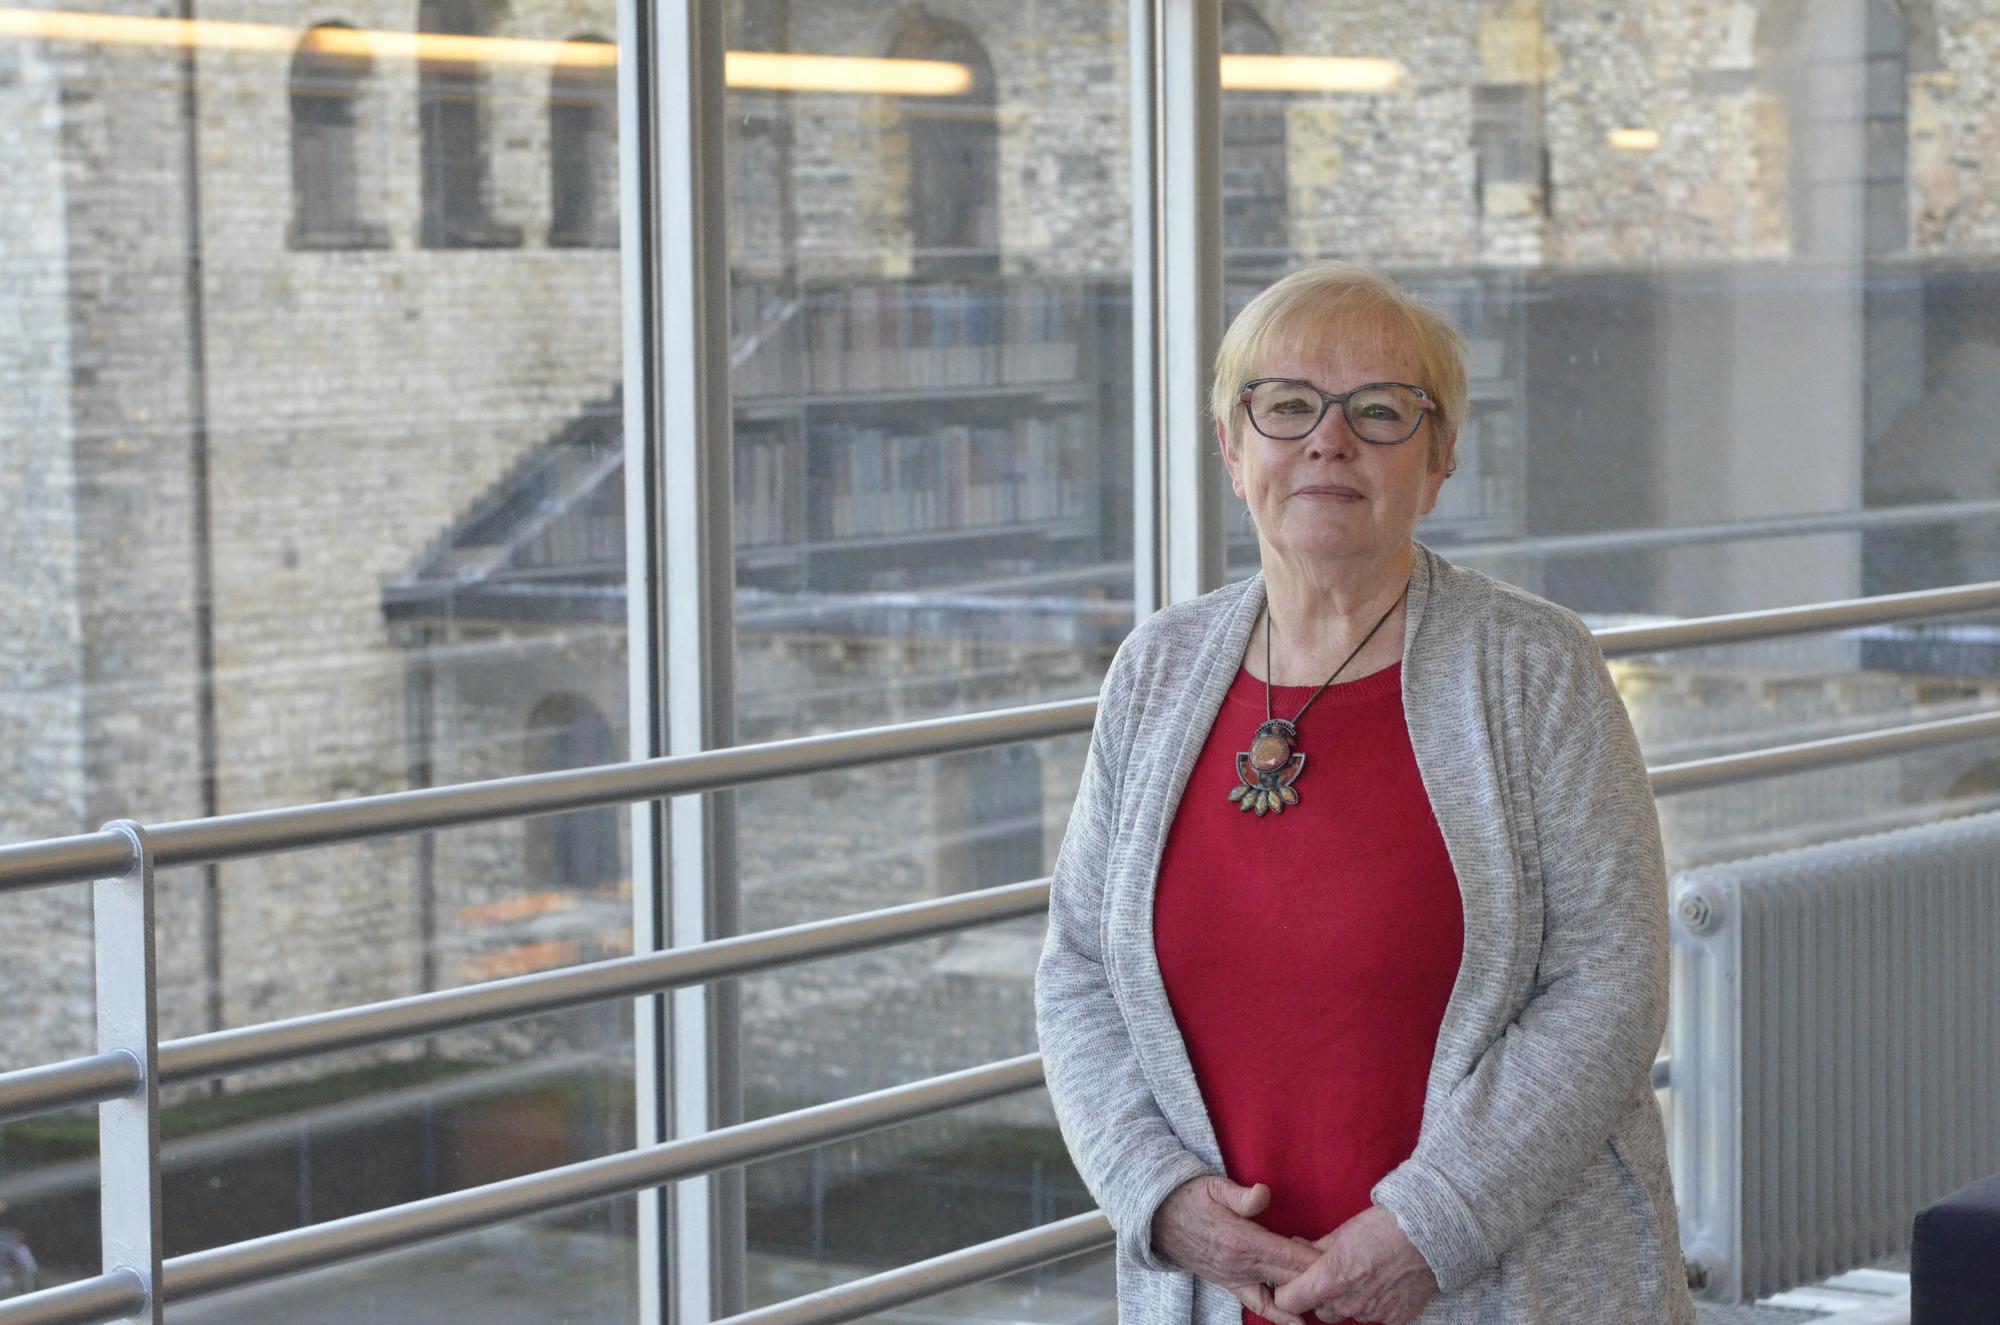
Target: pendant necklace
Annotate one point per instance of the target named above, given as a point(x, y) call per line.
point(1271, 765)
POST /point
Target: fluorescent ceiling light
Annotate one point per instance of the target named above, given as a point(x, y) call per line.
point(846, 73)
point(742, 69)
point(1309, 73)
point(1634, 140)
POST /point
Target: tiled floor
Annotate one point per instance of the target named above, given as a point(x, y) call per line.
point(1876, 1295)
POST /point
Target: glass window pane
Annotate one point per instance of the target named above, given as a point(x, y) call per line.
point(1730, 321)
point(931, 307)
point(312, 390)
point(566, 1267)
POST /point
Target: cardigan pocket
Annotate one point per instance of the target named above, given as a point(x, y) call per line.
point(1591, 1258)
point(1638, 1203)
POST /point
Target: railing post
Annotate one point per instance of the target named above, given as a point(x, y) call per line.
point(128, 1129)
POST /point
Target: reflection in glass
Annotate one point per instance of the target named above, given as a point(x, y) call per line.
point(319, 510)
point(931, 367)
point(452, 109)
point(954, 156)
point(1255, 167)
point(583, 152)
point(1720, 283)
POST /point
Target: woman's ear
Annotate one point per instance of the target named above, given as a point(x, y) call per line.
point(1230, 459)
point(1447, 461)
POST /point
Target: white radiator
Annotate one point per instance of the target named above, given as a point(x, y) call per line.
point(1835, 1050)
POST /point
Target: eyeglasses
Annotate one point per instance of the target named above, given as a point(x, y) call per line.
point(1285, 409)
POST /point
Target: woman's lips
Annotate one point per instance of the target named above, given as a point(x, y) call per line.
point(1330, 491)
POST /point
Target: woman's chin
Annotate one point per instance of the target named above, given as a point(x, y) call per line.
point(1328, 544)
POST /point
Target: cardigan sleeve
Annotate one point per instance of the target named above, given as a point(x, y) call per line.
point(1544, 1097)
point(1123, 1146)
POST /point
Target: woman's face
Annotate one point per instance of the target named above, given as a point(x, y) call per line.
point(1330, 495)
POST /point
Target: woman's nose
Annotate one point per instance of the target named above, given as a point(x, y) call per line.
point(1333, 436)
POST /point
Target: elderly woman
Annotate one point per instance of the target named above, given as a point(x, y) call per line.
point(1357, 949)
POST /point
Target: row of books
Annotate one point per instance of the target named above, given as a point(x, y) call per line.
point(875, 482)
point(885, 514)
point(888, 338)
point(769, 489)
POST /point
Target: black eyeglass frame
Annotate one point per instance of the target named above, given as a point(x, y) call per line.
point(1327, 400)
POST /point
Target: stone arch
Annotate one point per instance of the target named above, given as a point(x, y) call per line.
point(954, 155)
point(581, 849)
point(331, 72)
point(1982, 779)
point(990, 818)
point(1255, 178)
point(1779, 21)
point(1842, 67)
point(452, 117)
point(583, 149)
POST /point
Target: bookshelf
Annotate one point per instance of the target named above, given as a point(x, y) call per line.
point(874, 420)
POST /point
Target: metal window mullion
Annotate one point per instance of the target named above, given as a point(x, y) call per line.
point(698, 572)
point(128, 1127)
point(1148, 546)
point(1188, 212)
point(639, 255)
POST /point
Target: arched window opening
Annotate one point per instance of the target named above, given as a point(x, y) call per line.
point(583, 147)
point(451, 111)
point(329, 73)
point(990, 819)
point(954, 158)
point(1850, 130)
point(580, 850)
point(1510, 159)
point(1979, 785)
point(1254, 181)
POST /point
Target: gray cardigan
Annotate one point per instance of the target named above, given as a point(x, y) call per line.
point(1538, 1191)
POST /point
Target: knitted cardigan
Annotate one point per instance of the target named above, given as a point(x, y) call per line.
point(1538, 1192)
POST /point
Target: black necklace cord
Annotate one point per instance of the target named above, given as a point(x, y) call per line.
point(1271, 628)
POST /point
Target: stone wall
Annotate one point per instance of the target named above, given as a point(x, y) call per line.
point(43, 783)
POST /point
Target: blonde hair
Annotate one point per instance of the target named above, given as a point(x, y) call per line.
point(1328, 300)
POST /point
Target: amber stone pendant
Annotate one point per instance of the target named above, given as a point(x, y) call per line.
point(1268, 769)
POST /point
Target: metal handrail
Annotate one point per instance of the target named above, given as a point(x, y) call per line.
point(217, 1052)
point(1778, 622)
point(278, 1255)
point(1778, 526)
point(112, 1076)
point(103, 1077)
point(91, 1080)
point(940, 1274)
point(1722, 770)
point(118, 1295)
point(259, 832)
point(51, 1086)
point(88, 856)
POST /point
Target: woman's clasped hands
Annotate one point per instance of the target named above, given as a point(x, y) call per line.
point(1365, 1270)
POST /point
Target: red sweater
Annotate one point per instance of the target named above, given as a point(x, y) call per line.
point(1308, 955)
